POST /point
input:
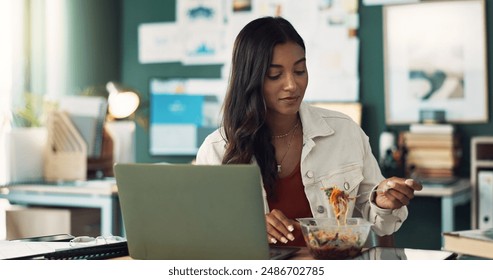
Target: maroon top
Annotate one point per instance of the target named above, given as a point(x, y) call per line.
point(289, 197)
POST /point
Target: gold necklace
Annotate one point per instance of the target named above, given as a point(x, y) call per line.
point(289, 132)
point(279, 165)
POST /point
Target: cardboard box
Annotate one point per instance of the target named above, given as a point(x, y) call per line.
point(85, 222)
point(4, 205)
point(22, 222)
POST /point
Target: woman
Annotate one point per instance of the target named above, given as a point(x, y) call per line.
point(301, 150)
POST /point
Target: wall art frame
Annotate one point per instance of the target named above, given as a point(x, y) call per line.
point(435, 58)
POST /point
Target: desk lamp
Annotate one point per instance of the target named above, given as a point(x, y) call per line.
point(122, 102)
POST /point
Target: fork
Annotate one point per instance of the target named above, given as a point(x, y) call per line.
point(369, 192)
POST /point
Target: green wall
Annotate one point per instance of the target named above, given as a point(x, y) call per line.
point(371, 73)
point(137, 75)
point(93, 38)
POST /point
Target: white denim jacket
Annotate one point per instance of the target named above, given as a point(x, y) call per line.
point(336, 152)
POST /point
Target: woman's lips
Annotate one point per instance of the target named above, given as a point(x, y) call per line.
point(290, 98)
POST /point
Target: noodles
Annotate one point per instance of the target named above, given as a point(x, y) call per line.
point(326, 244)
point(338, 199)
point(331, 241)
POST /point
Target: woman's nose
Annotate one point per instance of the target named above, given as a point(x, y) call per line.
point(289, 83)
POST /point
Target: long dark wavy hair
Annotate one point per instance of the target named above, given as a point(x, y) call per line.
point(244, 109)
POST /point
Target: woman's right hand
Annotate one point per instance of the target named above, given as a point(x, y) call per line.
point(279, 227)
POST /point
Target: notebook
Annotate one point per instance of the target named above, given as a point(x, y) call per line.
point(183, 211)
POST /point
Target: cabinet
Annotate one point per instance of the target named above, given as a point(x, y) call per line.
point(481, 159)
point(99, 194)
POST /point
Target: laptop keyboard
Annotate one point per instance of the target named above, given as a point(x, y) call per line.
point(282, 253)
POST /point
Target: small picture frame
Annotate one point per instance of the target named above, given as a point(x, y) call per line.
point(435, 59)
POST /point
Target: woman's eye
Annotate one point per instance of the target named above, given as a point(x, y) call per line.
point(274, 77)
point(300, 72)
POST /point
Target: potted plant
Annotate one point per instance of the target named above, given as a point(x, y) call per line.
point(23, 140)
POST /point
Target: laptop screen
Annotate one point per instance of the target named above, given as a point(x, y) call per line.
point(183, 211)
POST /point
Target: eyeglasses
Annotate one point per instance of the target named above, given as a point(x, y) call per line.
point(92, 241)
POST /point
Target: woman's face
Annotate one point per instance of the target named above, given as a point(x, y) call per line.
point(286, 79)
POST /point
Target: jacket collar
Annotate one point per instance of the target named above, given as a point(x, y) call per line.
point(313, 121)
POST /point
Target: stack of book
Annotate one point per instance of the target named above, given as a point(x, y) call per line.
point(474, 242)
point(432, 150)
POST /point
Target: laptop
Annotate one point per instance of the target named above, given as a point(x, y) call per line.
point(184, 211)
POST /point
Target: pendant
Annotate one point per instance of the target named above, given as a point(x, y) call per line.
point(278, 168)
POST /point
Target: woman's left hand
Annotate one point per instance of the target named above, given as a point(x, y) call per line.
point(393, 193)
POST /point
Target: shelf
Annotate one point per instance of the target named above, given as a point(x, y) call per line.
point(483, 163)
point(481, 158)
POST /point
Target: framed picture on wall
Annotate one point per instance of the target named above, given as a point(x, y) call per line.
point(435, 59)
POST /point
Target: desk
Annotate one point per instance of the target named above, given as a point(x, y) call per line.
point(100, 194)
point(451, 195)
point(104, 195)
point(375, 253)
point(389, 253)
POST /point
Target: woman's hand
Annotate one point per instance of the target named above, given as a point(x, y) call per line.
point(279, 227)
point(396, 192)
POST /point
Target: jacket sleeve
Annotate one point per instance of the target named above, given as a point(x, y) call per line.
point(211, 152)
point(386, 221)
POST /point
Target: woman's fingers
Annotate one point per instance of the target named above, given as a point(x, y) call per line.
point(397, 196)
point(398, 192)
point(404, 186)
point(274, 235)
point(415, 185)
point(279, 227)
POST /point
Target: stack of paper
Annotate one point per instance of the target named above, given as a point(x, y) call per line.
point(16, 249)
